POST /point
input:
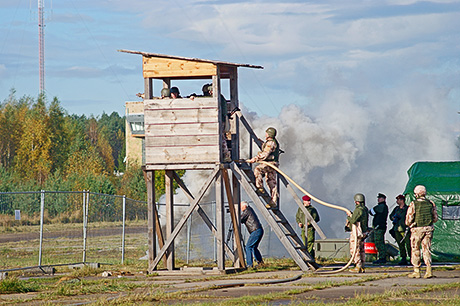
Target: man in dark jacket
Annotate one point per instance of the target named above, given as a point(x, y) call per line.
point(256, 232)
point(401, 234)
point(380, 214)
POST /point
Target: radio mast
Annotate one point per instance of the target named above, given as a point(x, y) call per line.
point(41, 44)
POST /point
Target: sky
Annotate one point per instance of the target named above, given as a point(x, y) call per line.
point(358, 90)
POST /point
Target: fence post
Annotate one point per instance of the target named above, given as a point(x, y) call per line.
point(42, 209)
point(85, 221)
point(123, 231)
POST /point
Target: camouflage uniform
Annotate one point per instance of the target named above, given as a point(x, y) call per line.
point(421, 212)
point(359, 218)
point(270, 154)
point(309, 239)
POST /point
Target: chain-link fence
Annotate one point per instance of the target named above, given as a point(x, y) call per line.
point(61, 227)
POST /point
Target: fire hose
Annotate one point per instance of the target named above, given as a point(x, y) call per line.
point(354, 228)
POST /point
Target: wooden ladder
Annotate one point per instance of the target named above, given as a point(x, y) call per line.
point(275, 218)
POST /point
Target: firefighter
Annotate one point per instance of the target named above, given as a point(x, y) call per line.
point(359, 217)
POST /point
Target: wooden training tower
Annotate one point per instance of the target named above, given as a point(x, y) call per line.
point(186, 134)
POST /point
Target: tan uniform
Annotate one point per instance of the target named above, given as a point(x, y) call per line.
point(420, 235)
point(269, 148)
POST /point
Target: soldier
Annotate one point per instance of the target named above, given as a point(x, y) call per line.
point(165, 93)
point(309, 239)
point(358, 218)
point(175, 94)
point(379, 222)
point(256, 232)
point(421, 215)
point(270, 153)
point(400, 230)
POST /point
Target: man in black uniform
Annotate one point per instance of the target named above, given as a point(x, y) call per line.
point(256, 232)
point(380, 214)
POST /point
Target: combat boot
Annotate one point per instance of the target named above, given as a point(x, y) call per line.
point(428, 273)
point(415, 274)
point(357, 269)
point(271, 205)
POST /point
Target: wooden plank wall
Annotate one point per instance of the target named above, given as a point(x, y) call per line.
point(181, 131)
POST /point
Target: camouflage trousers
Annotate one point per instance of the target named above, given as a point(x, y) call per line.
point(421, 236)
point(379, 240)
point(270, 177)
point(309, 240)
point(403, 244)
point(360, 256)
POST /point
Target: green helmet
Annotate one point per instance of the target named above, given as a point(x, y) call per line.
point(165, 92)
point(359, 197)
point(271, 132)
point(207, 89)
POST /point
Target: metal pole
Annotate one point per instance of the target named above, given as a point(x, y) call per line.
point(42, 210)
point(214, 249)
point(85, 220)
point(123, 231)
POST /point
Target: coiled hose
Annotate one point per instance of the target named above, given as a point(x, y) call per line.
point(347, 211)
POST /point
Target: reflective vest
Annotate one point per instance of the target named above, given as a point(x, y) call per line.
point(275, 155)
point(423, 212)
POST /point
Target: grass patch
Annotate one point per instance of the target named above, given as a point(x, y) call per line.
point(15, 285)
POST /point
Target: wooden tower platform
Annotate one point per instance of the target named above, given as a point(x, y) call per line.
point(195, 134)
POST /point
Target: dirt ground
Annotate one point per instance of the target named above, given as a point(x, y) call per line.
point(383, 285)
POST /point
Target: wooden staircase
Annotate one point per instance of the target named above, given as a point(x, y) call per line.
point(274, 217)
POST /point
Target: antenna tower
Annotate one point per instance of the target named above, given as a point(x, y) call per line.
point(41, 44)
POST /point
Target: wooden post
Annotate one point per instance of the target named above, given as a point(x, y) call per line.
point(169, 194)
point(220, 224)
point(235, 221)
point(148, 88)
point(150, 182)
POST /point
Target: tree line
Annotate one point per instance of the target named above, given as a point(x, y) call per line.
point(44, 147)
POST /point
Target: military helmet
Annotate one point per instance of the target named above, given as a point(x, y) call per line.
point(359, 197)
point(207, 88)
point(271, 132)
point(175, 90)
point(165, 92)
point(420, 190)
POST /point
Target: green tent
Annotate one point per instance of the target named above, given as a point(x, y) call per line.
point(442, 182)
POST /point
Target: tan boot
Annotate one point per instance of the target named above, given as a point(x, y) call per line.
point(428, 273)
point(415, 274)
point(357, 269)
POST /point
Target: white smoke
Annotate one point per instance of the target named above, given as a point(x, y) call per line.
point(349, 145)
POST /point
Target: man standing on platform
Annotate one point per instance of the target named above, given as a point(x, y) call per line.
point(270, 153)
point(421, 216)
point(256, 232)
point(309, 238)
point(380, 213)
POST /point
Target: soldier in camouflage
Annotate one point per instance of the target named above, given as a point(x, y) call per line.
point(420, 217)
point(309, 238)
point(358, 219)
point(270, 153)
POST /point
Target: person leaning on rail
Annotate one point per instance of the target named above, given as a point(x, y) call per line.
point(256, 232)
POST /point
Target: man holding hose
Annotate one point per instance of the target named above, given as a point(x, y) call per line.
point(359, 218)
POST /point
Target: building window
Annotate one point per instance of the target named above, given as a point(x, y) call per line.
point(450, 211)
point(136, 123)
